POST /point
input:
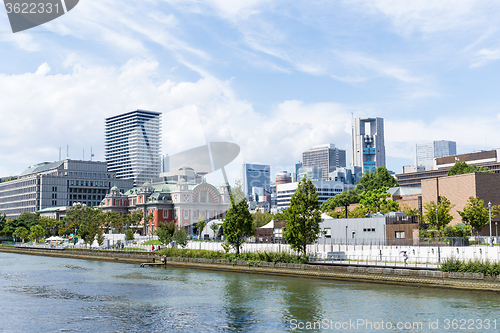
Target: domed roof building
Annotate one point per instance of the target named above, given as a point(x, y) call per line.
point(179, 201)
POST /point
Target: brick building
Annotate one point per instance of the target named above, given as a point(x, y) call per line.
point(180, 201)
point(459, 188)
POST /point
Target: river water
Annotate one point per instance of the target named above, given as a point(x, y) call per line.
point(44, 294)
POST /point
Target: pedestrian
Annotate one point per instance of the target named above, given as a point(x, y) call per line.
point(405, 256)
point(152, 247)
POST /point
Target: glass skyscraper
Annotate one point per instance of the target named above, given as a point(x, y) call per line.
point(426, 152)
point(132, 145)
point(255, 175)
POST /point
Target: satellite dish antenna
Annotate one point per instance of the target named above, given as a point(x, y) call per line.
point(208, 158)
point(27, 14)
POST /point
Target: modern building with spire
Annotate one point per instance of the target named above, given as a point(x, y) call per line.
point(132, 145)
point(368, 147)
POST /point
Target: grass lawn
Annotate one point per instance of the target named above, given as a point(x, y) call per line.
point(152, 242)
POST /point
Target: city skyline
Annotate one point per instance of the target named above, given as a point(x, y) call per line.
point(274, 77)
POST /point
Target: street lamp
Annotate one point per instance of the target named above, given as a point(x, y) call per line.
point(489, 210)
point(496, 231)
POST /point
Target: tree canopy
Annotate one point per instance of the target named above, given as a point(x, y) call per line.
point(461, 167)
point(476, 214)
point(375, 201)
point(340, 200)
point(303, 217)
point(165, 232)
point(238, 224)
point(444, 217)
point(377, 179)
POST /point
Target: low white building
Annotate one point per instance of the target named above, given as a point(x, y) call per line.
point(352, 230)
point(325, 190)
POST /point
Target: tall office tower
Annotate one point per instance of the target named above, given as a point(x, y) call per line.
point(368, 148)
point(132, 145)
point(426, 152)
point(326, 157)
point(255, 175)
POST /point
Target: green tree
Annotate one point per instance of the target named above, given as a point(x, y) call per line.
point(3, 221)
point(377, 179)
point(476, 214)
point(129, 235)
point(50, 226)
point(238, 224)
point(215, 228)
point(36, 232)
point(149, 219)
point(72, 220)
point(100, 236)
point(375, 201)
point(261, 218)
point(21, 232)
point(136, 218)
point(410, 211)
point(340, 200)
point(181, 237)
point(201, 226)
point(89, 225)
point(303, 217)
point(444, 217)
point(357, 212)
point(165, 232)
point(113, 220)
point(461, 167)
point(237, 192)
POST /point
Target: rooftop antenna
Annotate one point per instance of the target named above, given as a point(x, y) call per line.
point(67, 151)
point(91, 155)
point(59, 153)
point(83, 154)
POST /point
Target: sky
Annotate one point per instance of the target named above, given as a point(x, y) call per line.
point(274, 77)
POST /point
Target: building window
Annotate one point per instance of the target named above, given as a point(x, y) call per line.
point(186, 213)
point(327, 232)
point(399, 234)
point(165, 213)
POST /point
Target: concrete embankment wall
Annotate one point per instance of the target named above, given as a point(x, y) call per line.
point(420, 278)
point(416, 278)
point(115, 256)
point(430, 254)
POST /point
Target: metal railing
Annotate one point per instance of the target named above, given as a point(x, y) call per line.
point(339, 258)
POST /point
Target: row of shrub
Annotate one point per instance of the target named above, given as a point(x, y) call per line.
point(471, 266)
point(276, 257)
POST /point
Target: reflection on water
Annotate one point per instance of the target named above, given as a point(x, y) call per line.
point(77, 295)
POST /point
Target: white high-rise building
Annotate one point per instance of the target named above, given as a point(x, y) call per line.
point(426, 152)
point(368, 147)
point(326, 157)
point(132, 145)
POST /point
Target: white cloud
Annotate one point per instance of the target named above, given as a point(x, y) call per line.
point(228, 9)
point(377, 66)
point(470, 132)
point(430, 16)
point(44, 112)
point(43, 69)
point(485, 56)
